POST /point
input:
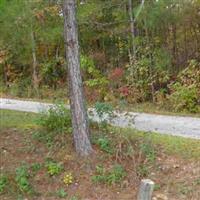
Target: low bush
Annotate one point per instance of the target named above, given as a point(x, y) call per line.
point(185, 92)
point(57, 119)
point(103, 110)
point(184, 98)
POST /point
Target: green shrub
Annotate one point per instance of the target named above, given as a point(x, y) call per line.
point(21, 88)
point(57, 119)
point(93, 75)
point(184, 98)
point(185, 92)
point(53, 72)
point(147, 74)
point(103, 109)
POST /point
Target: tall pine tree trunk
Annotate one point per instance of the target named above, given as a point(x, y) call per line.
point(77, 104)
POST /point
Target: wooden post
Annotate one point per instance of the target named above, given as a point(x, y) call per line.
point(146, 189)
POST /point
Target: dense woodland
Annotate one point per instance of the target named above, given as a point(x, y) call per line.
point(131, 51)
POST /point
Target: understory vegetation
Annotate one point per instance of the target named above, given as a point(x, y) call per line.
point(41, 162)
point(157, 62)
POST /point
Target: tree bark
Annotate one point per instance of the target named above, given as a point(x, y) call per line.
point(34, 73)
point(174, 47)
point(77, 103)
point(132, 26)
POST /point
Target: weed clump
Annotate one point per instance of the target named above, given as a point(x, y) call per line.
point(53, 168)
point(3, 183)
point(111, 177)
point(61, 193)
point(105, 145)
point(22, 179)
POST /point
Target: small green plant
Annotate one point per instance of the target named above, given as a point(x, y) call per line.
point(20, 197)
point(45, 137)
point(157, 187)
point(57, 119)
point(54, 168)
point(142, 170)
point(74, 198)
point(36, 167)
point(114, 176)
point(149, 151)
point(103, 110)
point(22, 179)
point(101, 175)
point(61, 193)
point(3, 183)
point(197, 181)
point(105, 144)
point(184, 189)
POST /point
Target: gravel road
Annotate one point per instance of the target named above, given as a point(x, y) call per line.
point(172, 125)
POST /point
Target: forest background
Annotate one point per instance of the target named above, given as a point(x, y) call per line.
point(132, 52)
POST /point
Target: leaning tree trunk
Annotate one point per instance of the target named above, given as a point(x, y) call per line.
point(77, 104)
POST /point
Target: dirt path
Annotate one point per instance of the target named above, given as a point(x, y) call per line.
point(173, 125)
